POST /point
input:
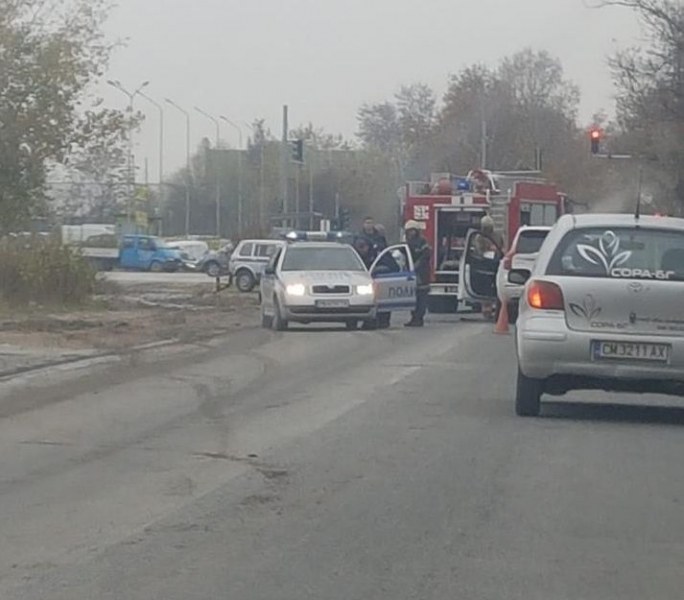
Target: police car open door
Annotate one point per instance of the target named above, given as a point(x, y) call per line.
point(395, 279)
point(479, 265)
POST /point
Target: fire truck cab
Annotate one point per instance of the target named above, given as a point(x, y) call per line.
point(449, 206)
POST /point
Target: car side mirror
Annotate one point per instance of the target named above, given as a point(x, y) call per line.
point(518, 276)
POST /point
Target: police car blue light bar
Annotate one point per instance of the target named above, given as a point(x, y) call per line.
point(317, 236)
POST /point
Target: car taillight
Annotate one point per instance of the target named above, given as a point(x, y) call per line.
point(545, 295)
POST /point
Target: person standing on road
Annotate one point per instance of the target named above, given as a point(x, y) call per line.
point(372, 232)
point(493, 242)
point(420, 252)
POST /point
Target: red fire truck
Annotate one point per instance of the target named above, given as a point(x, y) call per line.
point(450, 205)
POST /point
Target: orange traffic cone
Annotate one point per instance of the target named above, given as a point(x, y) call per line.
point(502, 322)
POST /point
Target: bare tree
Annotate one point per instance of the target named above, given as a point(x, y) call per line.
point(650, 81)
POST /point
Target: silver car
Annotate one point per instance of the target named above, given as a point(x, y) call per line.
point(603, 309)
point(310, 282)
point(248, 261)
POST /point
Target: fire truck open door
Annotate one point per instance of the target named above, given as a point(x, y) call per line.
point(479, 265)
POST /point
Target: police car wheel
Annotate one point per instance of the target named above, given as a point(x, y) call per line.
point(352, 325)
point(266, 321)
point(279, 324)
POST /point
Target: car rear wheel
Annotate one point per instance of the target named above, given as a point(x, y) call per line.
point(156, 267)
point(213, 269)
point(279, 323)
point(528, 396)
point(245, 281)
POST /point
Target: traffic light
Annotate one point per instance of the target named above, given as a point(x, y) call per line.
point(595, 137)
point(297, 151)
point(345, 219)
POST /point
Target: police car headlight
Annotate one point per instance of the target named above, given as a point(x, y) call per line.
point(365, 290)
point(296, 289)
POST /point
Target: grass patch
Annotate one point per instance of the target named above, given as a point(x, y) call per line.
point(42, 271)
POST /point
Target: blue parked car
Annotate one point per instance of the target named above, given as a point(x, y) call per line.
point(148, 253)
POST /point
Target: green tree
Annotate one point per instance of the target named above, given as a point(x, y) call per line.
point(50, 53)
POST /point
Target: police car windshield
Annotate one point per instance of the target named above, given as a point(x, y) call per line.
point(322, 259)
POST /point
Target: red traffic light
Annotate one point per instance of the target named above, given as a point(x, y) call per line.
point(595, 137)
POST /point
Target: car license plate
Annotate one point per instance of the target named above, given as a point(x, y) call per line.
point(605, 350)
point(332, 303)
point(451, 289)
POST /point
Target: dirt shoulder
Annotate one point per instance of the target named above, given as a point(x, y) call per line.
point(128, 316)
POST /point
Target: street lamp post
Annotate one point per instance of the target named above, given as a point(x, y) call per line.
point(187, 160)
point(215, 121)
point(160, 108)
point(131, 171)
point(262, 182)
point(240, 200)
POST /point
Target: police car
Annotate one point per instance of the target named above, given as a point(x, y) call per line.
point(319, 278)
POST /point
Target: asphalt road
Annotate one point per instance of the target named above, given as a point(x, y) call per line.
point(339, 465)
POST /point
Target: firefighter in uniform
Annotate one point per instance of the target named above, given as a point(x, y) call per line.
point(420, 252)
point(493, 242)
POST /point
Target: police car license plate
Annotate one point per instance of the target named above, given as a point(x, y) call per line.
point(332, 303)
point(604, 350)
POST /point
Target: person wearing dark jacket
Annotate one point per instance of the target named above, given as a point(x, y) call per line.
point(373, 233)
point(420, 252)
point(364, 247)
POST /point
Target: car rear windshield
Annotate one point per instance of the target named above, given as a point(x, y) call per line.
point(322, 259)
point(529, 242)
point(626, 253)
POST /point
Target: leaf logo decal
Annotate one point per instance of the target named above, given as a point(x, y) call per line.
point(607, 254)
point(589, 309)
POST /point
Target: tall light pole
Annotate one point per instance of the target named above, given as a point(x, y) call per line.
point(216, 123)
point(262, 179)
point(240, 200)
point(131, 171)
point(160, 108)
point(187, 162)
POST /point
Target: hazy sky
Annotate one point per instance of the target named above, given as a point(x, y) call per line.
point(246, 58)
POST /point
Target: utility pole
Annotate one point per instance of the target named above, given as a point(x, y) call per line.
point(160, 109)
point(187, 163)
point(217, 171)
point(297, 195)
point(284, 165)
point(483, 143)
point(311, 189)
point(131, 168)
point(241, 202)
